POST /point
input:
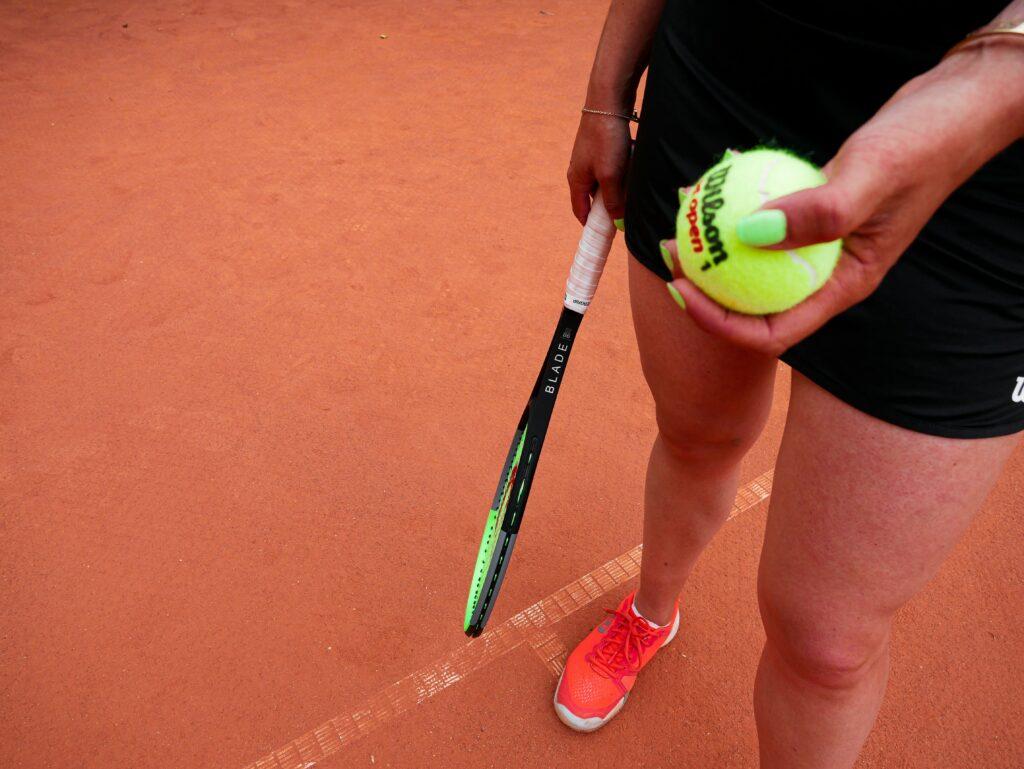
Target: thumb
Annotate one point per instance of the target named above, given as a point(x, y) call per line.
point(613, 188)
point(816, 215)
point(614, 193)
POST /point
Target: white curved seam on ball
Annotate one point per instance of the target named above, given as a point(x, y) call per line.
point(762, 190)
point(812, 274)
point(762, 183)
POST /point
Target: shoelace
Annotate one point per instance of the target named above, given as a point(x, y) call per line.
point(621, 651)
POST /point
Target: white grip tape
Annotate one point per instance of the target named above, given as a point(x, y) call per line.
point(588, 264)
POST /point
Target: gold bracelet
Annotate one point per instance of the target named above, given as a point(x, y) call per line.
point(634, 118)
point(1011, 28)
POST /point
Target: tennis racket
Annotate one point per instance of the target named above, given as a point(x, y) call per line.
point(517, 474)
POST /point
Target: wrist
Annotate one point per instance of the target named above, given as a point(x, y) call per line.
point(1000, 50)
point(995, 52)
point(984, 82)
point(610, 98)
point(1001, 30)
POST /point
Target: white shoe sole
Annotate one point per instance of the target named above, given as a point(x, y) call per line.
point(578, 724)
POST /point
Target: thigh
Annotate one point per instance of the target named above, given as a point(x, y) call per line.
point(862, 515)
point(706, 392)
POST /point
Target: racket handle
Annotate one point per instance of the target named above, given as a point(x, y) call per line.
point(592, 253)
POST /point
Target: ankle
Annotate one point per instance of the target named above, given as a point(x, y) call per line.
point(660, 612)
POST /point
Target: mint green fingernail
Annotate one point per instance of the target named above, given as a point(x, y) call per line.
point(666, 257)
point(677, 296)
point(620, 224)
point(762, 228)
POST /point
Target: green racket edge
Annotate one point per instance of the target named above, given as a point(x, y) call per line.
point(490, 537)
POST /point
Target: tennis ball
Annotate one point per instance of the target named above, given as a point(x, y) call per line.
point(755, 281)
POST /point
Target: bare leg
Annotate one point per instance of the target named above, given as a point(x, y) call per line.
point(862, 515)
point(712, 401)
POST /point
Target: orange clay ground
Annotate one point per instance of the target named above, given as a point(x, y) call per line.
point(274, 289)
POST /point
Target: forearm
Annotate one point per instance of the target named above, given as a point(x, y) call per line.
point(622, 53)
point(986, 82)
point(965, 110)
point(1013, 13)
point(989, 72)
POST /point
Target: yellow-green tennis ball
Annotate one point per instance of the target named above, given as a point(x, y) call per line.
point(756, 281)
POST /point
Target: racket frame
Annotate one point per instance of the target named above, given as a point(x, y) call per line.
point(530, 433)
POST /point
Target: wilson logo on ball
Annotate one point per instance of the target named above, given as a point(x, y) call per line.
point(709, 205)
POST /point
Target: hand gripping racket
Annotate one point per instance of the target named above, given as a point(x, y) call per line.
point(506, 514)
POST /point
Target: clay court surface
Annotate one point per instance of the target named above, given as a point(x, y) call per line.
point(274, 290)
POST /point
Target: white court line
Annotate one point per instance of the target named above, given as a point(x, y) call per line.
point(552, 652)
point(531, 626)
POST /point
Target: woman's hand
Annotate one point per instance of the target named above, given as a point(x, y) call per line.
point(600, 157)
point(884, 184)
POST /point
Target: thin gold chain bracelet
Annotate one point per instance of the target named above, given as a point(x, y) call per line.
point(634, 118)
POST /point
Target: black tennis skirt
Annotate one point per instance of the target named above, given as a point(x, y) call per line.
point(939, 347)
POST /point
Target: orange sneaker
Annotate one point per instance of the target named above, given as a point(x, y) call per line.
point(601, 671)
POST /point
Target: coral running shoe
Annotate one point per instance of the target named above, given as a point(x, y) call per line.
point(601, 671)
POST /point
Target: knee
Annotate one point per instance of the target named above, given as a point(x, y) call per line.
point(820, 644)
point(696, 440)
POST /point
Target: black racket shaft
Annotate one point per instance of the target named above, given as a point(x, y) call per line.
point(535, 420)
